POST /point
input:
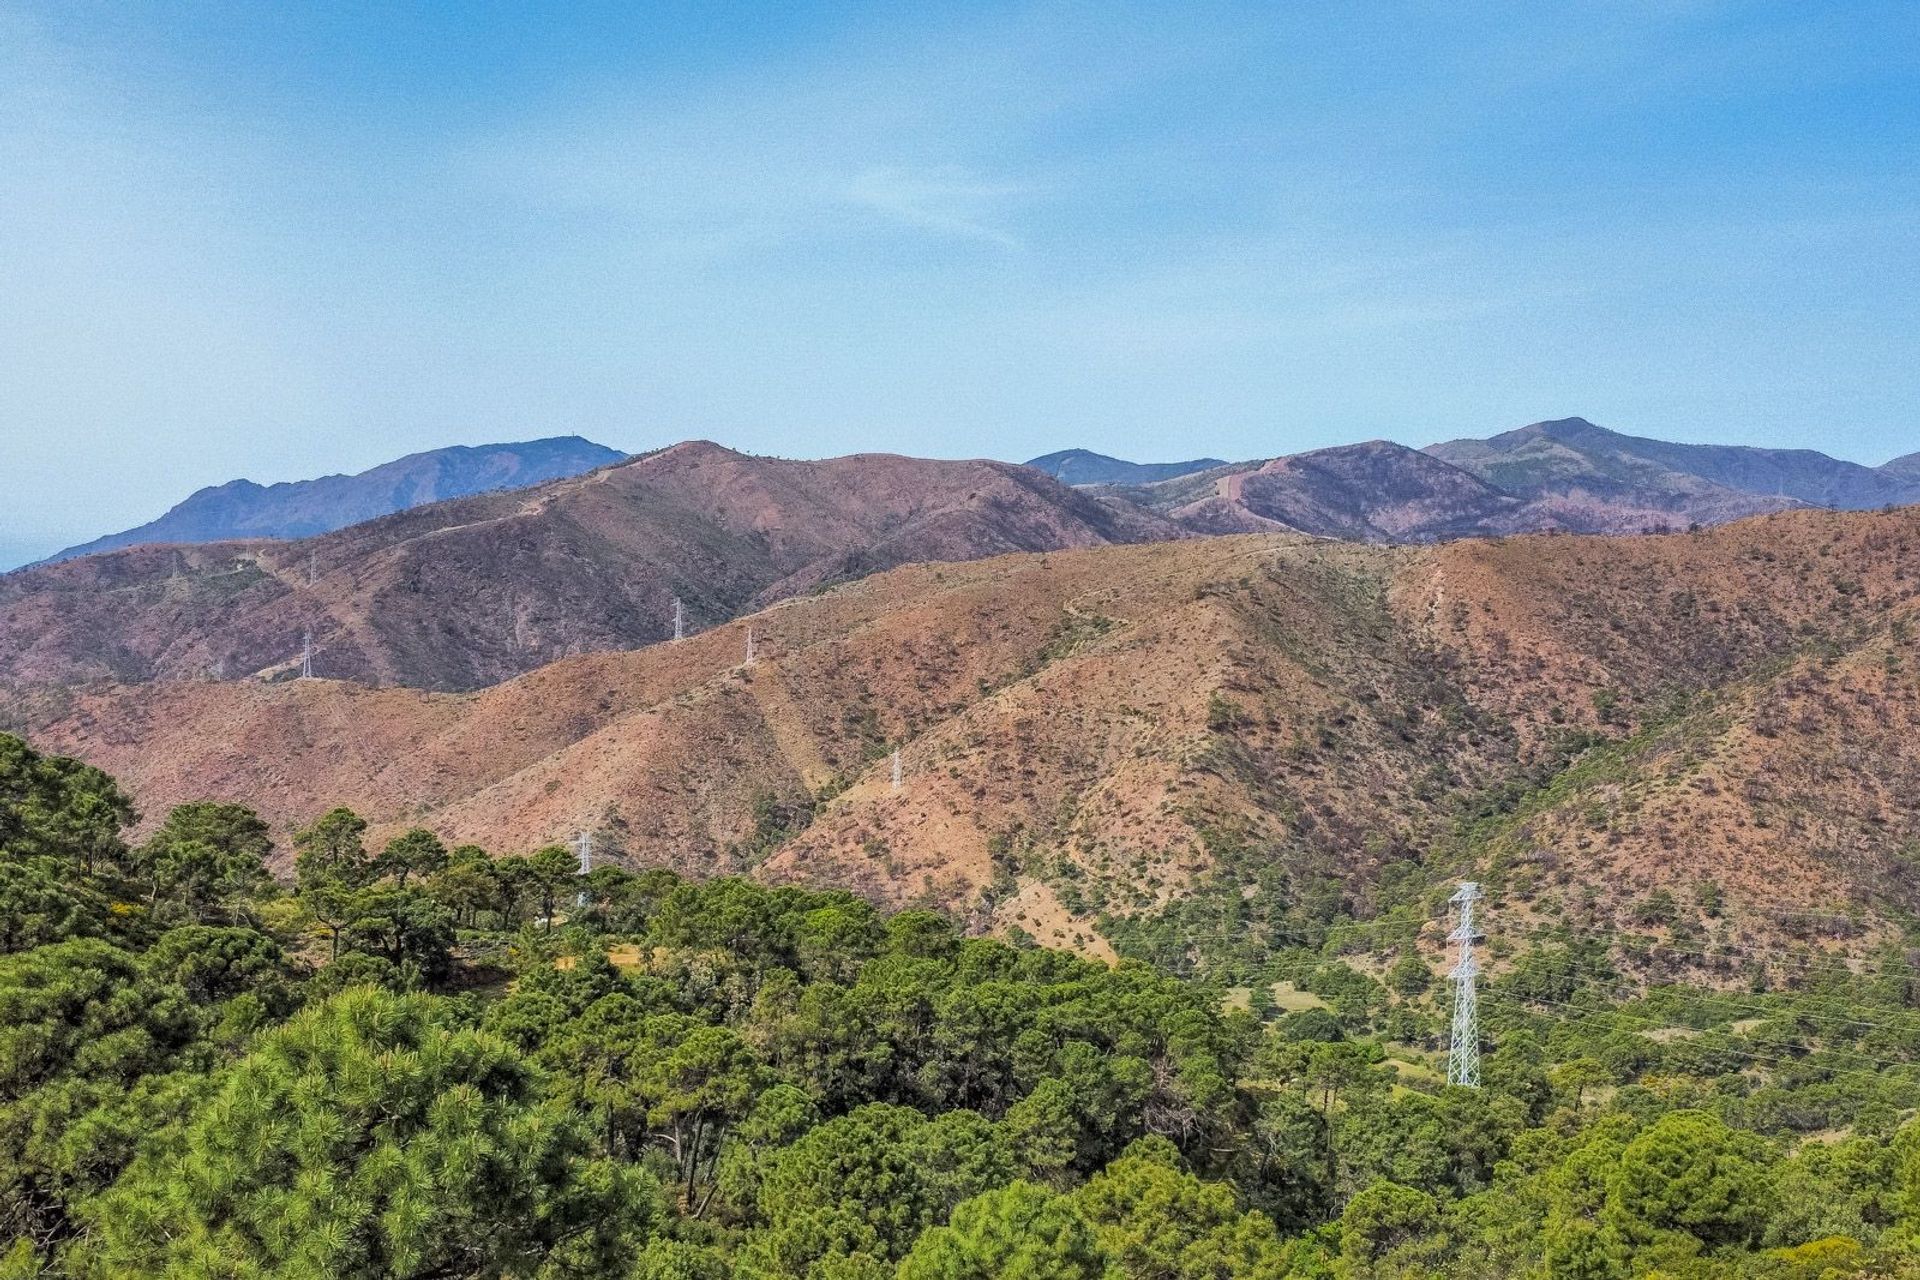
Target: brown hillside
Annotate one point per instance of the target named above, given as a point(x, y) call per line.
point(1086, 731)
point(462, 594)
point(1384, 492)
point(1373, 492)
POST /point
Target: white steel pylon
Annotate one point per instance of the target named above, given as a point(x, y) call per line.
point(679, 621)
point(749, 661)
point(896, 768)
point(583, 845)
point(1463, 1046)
point(306, 655)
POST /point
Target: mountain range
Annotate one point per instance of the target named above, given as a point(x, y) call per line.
point(1114, 703)
point(1573, 453)
point(458, 594)
point(464, 593)
point(302, 508)
point(1566, 475)
point(1095, 735)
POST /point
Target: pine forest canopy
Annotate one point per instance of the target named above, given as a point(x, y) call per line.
point(419, 1061)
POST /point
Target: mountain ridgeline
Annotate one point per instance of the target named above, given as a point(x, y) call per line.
point(1110, 712)
point(1084, 467)
point(1563, 476)
point(1573, 452)
point(459, 594)
point(241, 509)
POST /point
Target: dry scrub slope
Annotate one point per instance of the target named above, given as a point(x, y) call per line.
point(462, 594)
point(1084, 731)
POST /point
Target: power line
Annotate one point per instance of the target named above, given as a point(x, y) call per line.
point(1752, 1056)
point(375, 772)
point(1736, 1050)
point(1731, 951)
point(1694, 989)
point(1593, 976)
point(1737, 952)
point(1599, 978)
point(1366, 931)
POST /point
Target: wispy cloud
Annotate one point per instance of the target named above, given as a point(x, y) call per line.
point(958, 138)
point(946, 201)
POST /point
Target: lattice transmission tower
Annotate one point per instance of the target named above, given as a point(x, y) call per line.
point(1463, 1046)
point(306, 655)
point(679, 621)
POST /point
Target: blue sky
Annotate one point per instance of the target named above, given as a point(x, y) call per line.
point(243, 240)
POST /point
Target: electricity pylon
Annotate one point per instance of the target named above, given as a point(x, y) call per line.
point(1463, 1047)
point(896, 768)
point(679, 621)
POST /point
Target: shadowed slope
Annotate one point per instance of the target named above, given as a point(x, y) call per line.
point(1600, 479)
point(1373, 492)
point(461, 594)
point(302, 508)
point(1084, 467)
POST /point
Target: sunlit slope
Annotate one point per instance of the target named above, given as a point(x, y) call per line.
point(1085, 732)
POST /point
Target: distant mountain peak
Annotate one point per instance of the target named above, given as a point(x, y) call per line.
point(1708, 482)
point(687, 450)
point(1085, 467)
point(1559, 430)
point(244, 509)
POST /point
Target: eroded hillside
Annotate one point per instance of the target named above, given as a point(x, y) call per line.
point(1099, 733)
point(461, 594)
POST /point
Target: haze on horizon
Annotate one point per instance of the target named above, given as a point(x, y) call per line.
point(278, 244)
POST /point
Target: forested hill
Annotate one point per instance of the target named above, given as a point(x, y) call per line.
point(421, 1062)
